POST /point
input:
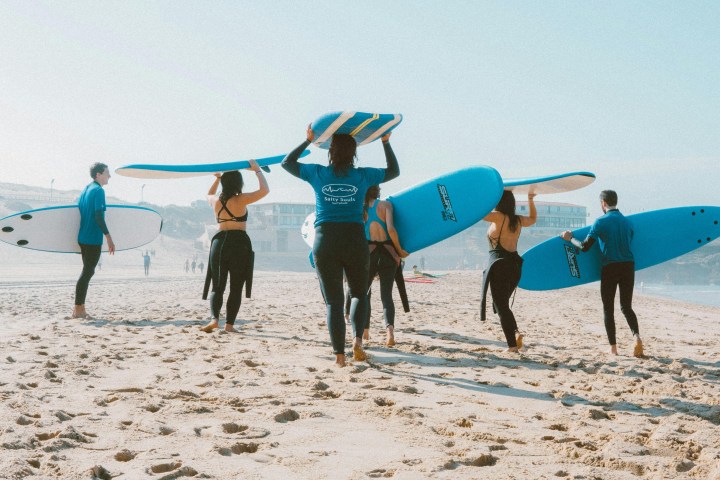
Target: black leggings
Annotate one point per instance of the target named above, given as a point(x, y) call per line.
point(90, 258)
point(342, 247)
point(503, 281)
point(614, 275)
point(229, 255)
point(382, 263)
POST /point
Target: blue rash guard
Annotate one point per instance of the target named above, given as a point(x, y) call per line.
point(614, 233)
point(92, 207)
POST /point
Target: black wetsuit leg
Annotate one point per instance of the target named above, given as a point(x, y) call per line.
point(612, 276)
point(503, 281)
point(229, 254)
point(90, 258)
point(342, 247)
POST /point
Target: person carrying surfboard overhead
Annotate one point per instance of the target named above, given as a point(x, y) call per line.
point(385, 257)
point(505, 265)
point(614, 234)
point(90, 236)
point(340, 243)
point(231, 253)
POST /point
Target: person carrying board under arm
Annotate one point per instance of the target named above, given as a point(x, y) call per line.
point(614, 234)
point(90, 236)
point(340, 243)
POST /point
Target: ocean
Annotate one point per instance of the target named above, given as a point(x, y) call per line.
point(697, 294)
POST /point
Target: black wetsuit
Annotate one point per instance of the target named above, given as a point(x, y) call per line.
point(230, 255)
point(502, 276)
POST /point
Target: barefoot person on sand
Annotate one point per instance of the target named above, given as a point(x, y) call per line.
point(503, 273)
point(230, 249)
point(614, 233)
point(340, 243)
point(385, 254)
point(90, 236)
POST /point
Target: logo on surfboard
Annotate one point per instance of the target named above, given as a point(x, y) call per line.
point(448, 213)
point(571, 254)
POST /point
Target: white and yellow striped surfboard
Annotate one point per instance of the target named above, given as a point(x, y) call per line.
point(364, 127)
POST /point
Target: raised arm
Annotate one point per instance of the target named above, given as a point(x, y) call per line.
point(213, 189)
point(393, 232)
point(532, 218)
point(264, 189)
point(290, 162)
point(393, 169)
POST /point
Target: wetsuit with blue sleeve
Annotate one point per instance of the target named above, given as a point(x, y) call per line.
point(90, 236)
point(340, 243)
point(614, 233)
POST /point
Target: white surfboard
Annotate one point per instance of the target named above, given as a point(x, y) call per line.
point(55, 229)
point(564, 182)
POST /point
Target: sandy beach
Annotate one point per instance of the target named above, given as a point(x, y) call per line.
point(141, 392)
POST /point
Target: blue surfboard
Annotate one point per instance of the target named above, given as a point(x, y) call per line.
point(55, 229)
point(364, 127)
point(659, 236)
point(564, 182)
point(156, 171)
point(437, 209)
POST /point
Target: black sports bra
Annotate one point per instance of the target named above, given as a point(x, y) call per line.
point(233, 217)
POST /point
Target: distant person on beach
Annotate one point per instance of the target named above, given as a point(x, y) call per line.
point(231, 252)
point(505, 265)
point(201, 266)
point(385, 257)
point(90, 236)
point(192, 266)
point(340, 243)
point(146, 263)
point(187, 266)
point(614, 234)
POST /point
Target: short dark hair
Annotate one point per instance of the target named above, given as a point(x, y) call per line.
point(96, 168)
point(609, 197)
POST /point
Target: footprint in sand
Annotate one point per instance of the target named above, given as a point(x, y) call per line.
point(233, 428)
point(125, 455)
point(287, 416)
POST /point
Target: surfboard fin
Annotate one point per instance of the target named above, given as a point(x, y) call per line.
point(266, 169)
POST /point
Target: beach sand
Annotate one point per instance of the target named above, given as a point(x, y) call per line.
point(141, 392)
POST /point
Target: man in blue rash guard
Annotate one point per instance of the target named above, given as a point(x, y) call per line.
point(614, 233)
point(92, 228)
point(340, 244)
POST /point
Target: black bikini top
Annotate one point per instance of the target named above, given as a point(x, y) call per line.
point(233, 217)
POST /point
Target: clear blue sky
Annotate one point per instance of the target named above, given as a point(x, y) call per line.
point(627, 90)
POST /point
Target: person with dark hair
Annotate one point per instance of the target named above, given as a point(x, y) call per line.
point(614, 234)
point(385, 257)
point(90, 236)
point(340, 243)
point(230, 249)
point(505, 265)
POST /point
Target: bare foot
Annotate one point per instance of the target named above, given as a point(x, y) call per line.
point(390, 342)
point(613, 350)
point(230, 329)
point(513, 350)
point(638, 350)
point(358, 352)
point(210, 326)
point(340, 361)
point(519, 340)
point(79, 312)
point(366, 335)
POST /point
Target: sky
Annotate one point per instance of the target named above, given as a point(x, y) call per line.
point(627, 90)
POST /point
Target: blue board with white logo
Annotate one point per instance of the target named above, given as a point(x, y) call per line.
point(364, 127)
point(55, 229)
point(659, 236)
point(158, 171)
point(437, 209)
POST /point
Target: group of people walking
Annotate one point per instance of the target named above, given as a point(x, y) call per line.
point(355, 241)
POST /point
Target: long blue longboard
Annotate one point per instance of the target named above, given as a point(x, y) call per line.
point(564, 182)
point(156, 171)
point(364, 127)
point(659, 236)
point(55, 229)
point(437, 209)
